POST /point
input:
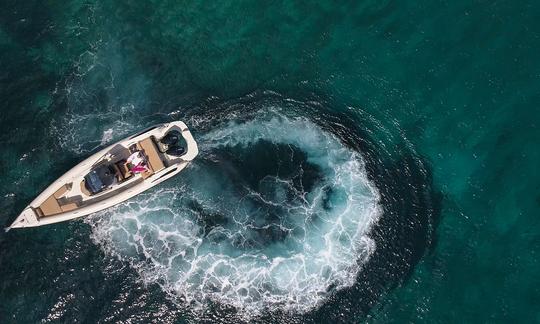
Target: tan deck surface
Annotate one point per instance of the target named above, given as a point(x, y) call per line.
point(60, 191)
point(151, 151)
point(69, 206)
point(84, 190)
point(50, 206)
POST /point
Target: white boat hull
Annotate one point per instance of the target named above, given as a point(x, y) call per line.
point(88, 204)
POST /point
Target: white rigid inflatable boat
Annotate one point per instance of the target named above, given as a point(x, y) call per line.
point(105, 178)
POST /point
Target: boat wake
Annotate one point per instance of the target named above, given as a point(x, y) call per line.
point(274, 214)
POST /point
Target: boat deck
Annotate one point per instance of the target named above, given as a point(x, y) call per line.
point(74, 195)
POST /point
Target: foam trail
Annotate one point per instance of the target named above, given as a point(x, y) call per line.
point(274, 214)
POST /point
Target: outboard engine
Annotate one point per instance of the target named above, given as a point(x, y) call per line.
point(171, 138)
point(176, 150)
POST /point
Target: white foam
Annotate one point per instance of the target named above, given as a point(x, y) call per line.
point(162, 236)
point(107, 136)
point(109, 125)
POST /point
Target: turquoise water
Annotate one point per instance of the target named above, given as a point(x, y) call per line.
point(361, 161)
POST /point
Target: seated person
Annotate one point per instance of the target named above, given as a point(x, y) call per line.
point(136, 163)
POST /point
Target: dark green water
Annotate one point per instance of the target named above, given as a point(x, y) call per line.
point(439, 98)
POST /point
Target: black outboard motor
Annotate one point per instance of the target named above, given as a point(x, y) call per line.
point(176, 150)
point(171, 138)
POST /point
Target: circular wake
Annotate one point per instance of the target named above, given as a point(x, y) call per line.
point(274, 214)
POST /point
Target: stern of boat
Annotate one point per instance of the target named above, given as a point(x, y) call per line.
point(192, 150)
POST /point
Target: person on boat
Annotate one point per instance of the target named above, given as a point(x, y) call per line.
point(136, 163)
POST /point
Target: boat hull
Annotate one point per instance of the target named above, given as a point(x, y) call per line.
point(30, 217)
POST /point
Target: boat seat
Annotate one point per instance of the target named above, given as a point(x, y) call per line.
point(151, 151)
point(122, 170)
point(119, 175)
point(69, 206)
point(60, 192)
point(50, 206)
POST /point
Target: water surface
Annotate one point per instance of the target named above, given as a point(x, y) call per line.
point(363, 161)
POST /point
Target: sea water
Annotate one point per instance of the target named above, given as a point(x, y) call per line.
point(359, 161)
